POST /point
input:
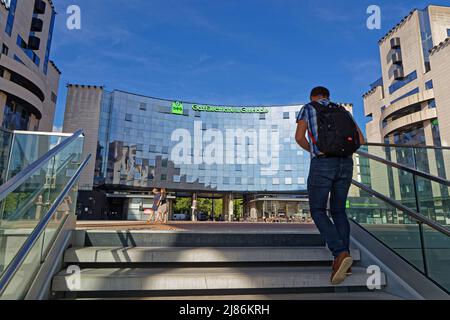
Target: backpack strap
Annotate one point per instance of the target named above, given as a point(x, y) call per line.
point(316, 105)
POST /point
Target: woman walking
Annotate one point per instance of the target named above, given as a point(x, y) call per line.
point(163, 208)
point(155, 205)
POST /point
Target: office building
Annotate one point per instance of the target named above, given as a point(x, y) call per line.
point(28, 78)
point(191, 149)
point(409, 103)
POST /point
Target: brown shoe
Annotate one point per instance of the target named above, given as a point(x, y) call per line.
point(341, 266)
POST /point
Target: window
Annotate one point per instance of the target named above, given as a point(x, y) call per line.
point(143, 106)
point(128, 117)
point(54, 97)
point(276, 181)
point(429, 85)
point(415, 91)
point(152, 148)
point(139, 147)
point(397, 85)
point(5, 49)
point(262, 116)
point(288, 181)
point(238, 181)
point(197, 114)
point(11, 15)
point(432, 104)
point(165, 150)
point(177, 179)
point(226, 180)
point(239, 167)
point(448, 32)
point(30, 53)
point(18, 59)
point(164, 163)
point(286, 115)
point(163, 177)
point(49, 42)
point(190, 179)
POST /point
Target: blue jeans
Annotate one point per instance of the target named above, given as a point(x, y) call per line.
point(330, 178)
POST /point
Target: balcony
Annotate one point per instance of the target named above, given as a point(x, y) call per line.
point(397, 58)
point(399, 74)
point(36, 25)
point(395, 43)
point(34, 43)
point(39, 7)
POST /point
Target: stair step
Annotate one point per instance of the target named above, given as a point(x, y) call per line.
point(199, 255)
point(139, 238)
point(159, 279)
point(372, 295)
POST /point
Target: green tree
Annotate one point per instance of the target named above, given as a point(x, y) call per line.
point(182, 205)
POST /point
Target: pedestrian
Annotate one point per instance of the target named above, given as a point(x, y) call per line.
point(154, 208)
point(333, 137)
point(163, 207)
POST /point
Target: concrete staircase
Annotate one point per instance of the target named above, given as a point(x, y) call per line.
point(192, 265)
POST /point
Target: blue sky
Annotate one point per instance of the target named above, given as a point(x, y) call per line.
point(237, 52)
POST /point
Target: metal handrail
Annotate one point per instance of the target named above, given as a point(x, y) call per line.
point(405, 168)
point(416, 216)
point(12, 184)
point(15, 264)
point(376, 144)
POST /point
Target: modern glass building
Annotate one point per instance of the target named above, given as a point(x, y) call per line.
point(192, 149)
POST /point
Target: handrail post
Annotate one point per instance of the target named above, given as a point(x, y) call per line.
point(422, 246)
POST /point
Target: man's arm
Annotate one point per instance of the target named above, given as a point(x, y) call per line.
point(300, 135)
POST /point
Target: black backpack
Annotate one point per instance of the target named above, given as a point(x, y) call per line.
point(338, 134)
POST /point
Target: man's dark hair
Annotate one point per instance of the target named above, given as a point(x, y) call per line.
point(320, 91)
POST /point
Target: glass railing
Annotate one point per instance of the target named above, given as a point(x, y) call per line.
point(431, 160)
point(32, 200)
point(5, 150)
point(426, 247)
point(27, 147)
point(425, 194)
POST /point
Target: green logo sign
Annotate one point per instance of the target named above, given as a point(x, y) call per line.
point(177, 108)
point(207, 108)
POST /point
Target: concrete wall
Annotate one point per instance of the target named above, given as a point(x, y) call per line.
point(83, 106)
point(440, 60)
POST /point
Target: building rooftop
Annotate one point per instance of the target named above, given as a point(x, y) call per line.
point(401, 23)
point(440, 46)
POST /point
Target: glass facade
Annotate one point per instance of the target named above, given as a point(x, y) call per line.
point(17, 116)
point(147, 142)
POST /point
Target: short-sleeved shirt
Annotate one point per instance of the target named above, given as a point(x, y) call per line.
point(309, 114)
point(155, 201)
